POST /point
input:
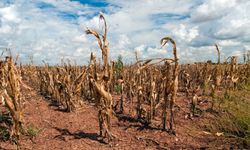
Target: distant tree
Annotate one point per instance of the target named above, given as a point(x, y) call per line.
point(244, 58)
point(209, 62)
point(119, 65)
point(118, 72)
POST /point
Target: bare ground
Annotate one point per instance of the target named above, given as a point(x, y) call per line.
point(78, 130)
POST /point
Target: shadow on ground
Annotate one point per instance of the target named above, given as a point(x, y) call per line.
point(78, 135)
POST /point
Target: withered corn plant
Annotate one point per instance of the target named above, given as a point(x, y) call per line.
point(174, 82)
point(218, 70)
point(167, 91)
point(101, 85)
point(10, 84)
point(206, 77)
point(63, 85)
point(217, 77)
point(194, 101)
point(121, 85)
point(233, 71)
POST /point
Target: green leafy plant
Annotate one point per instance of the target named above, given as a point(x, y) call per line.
point(118, 88)
point(32, 131)
point(119, 65)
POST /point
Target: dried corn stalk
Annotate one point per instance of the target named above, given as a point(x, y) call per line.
point(104, 98)
point(63, 85)
point(174, 84)
point(167, 91)
point(10, 82)
point(218, 70)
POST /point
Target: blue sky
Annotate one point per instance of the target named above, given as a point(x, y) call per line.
point(52, 30)
point(94, 3)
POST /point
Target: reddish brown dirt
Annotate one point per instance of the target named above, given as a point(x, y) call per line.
point(79, 130)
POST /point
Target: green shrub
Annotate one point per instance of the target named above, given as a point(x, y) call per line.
point(32, 131)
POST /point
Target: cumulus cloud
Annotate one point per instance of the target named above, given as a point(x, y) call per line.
point(212, 9)
point(52, 30)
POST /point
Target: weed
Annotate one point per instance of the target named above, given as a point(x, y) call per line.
point(32, 131)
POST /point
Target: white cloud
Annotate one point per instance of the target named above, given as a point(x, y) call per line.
point(5, 29)
point(212, 9)
point(57, 32)
point(9, 14)
point(186, 34)
point(228, 43)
